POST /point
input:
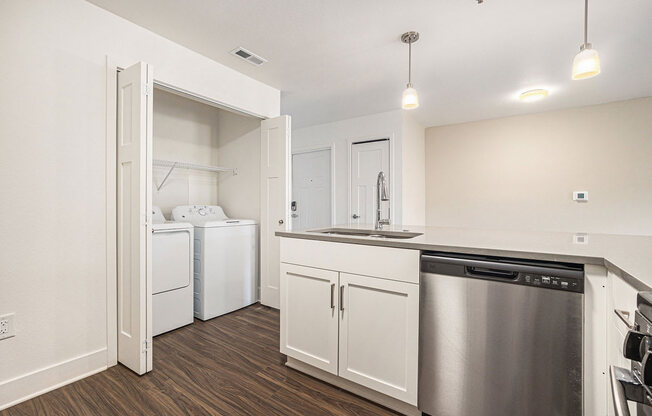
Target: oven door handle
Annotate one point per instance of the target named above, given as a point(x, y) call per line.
point(624, 316)
point(618, 390)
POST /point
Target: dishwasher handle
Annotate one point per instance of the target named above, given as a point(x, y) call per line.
point(490, 272)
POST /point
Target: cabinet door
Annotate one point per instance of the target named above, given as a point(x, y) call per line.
point(309, 315)
point(379, 323)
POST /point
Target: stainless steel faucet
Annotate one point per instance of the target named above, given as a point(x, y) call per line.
point(381, 195)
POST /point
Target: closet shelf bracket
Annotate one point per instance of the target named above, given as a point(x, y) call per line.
point(184, 165)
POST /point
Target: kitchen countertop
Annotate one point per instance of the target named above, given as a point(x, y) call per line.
point(629, 256)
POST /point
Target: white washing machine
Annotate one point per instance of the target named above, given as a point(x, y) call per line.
point(172, 273)
point(226, 260)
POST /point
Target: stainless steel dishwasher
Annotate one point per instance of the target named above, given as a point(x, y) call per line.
point(500, 336)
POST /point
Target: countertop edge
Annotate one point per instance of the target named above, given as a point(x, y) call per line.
point(598, 261)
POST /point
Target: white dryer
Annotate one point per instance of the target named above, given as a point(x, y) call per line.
point(226, 260)
point(172, 273)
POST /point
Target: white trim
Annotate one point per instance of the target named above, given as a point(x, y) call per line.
point(27, 386)
point(317, 148)
point(392, 172)
point(111, 213)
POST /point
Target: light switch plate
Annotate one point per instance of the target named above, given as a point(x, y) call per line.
point(581, 196)
point(7, 326)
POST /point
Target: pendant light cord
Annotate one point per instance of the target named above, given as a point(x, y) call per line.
point(586, 20)
point(410, 64)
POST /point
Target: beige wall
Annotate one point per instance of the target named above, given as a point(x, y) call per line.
point(414, 171)
point(239, 147)
point(520, 172)
point(185, 131)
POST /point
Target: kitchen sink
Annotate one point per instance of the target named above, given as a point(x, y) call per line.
point(366, 233)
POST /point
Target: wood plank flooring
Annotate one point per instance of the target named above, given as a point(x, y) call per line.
point(229, 365)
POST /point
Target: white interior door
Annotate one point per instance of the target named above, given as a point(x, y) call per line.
point(134, 198)
point(311, 189)
point(367, 160)
point(274, 202)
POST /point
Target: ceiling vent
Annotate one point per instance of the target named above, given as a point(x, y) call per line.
point(248, 56)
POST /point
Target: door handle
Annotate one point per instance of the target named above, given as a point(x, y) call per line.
point(342, 297)
point(332, 295)
point(356, 216)
point(280, 222)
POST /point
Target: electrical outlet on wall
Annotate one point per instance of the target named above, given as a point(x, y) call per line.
point(7, 326)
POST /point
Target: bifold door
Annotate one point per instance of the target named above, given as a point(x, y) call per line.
point(134, 198)
point(274, 202)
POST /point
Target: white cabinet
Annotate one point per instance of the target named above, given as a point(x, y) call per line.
point(309, 327)
point(379, 335)
point(361, 328)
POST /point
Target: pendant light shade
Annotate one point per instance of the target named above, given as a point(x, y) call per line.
point(410, 99)
point(586, 63)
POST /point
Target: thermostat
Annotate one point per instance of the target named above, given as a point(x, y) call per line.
point(580, 196)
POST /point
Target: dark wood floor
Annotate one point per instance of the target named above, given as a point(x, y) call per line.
point(230, 365)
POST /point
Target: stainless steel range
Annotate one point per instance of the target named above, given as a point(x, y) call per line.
point(635, 384)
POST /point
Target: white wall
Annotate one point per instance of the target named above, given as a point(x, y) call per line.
point(53, 151)
point(340, 134)
point(520, 172)
point(186, 131)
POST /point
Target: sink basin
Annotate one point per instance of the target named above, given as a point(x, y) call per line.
point(366, 233)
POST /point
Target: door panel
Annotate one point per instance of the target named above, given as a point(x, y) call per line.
point(367, 160)
point(311, 189)
point(134, 198)
point(309, 315)
point(274, 202)
point(378, 344)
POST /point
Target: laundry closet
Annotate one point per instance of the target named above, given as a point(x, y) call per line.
point(202, 187)
point(206, 211)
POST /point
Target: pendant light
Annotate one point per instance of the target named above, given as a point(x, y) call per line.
point(410, 97)
point(586, 63)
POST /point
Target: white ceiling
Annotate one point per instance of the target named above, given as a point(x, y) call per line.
point(336, 59)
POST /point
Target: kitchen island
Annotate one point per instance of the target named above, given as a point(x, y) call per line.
point(371, 348)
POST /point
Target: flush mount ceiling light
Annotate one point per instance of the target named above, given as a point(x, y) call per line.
point(586, 63)
point(533, 95)
point(410, 97)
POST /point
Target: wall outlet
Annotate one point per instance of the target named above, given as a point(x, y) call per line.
point(7, 326)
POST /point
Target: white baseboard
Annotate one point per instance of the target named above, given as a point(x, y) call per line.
point(41, 381)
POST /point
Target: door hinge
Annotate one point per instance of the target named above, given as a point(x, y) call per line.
point(147, 90)
point(147, 346)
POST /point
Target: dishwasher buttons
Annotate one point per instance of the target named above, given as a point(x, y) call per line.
point(545, 280)
point(564, 285)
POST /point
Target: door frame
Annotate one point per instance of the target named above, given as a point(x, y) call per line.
point(115, 64)
point(392, 173)
point(319, 148)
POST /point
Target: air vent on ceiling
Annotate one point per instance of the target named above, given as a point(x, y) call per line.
point(248, 56)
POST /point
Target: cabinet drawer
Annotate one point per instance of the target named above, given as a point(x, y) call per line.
point(384, 262)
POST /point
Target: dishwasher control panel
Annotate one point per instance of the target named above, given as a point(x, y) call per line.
point(553, 282)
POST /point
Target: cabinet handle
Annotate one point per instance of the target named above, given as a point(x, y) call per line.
point(624, 316)
point(332, 295)
point(342, 297)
